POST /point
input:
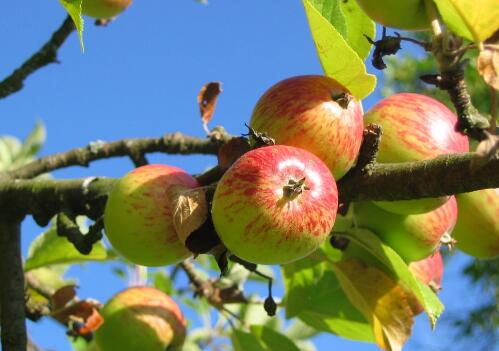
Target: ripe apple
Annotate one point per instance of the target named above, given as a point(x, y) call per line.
point(314, 113)
point(413, 237)
point(104, 8)
point(402, 14)
point(275, 204)
point(415, 127)
point(477, 227)
point(141, 318)
point(138, 215)
point(428, 271)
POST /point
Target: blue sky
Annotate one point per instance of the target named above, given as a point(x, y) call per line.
point(140, 77)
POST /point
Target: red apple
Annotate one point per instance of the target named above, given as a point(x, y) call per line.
point(314, 113)
point(413, 237)
point(477, 227)
point(415, 127)
point(138, 215)
point(104, 8)
point(428, 271)
point(275, 204)
point(141, 318)
point(402, 14)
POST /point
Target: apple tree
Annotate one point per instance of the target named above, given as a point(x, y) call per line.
point(343, 210)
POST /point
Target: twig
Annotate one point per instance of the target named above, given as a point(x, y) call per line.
point(12, 302)
point(46, 55)
point(176, 143)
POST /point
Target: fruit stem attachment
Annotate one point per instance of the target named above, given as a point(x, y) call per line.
point(294, 188)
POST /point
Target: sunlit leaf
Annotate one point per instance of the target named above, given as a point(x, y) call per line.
point(381, 300)
point(338, 59)
point(453, 19)
point(261, 338)
point(358, 26)
point(73, 8)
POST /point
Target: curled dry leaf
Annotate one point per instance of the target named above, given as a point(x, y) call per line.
point(207, 100)
point(83, 314)
point(62, 296)
point(488, 61)
point(190, 210)
point(486, 150)
point(230, 152)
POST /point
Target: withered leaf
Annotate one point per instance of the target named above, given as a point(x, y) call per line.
point(207, 100)
point(85, 312)
point(190, 210)
point(381, 300)
point(62, 296)
point(230, 152)
point(488, 61)
point(486, 150)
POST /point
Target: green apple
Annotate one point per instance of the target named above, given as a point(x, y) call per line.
point(314, 113)
point(413, 237)
point(415, 128)
point(477, 227)
point(402, 14)
point(104, 8)
point(275, 205)
point(141, 318)
point(138, 217)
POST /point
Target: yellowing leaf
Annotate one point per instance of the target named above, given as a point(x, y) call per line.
point(381, 300)
point(73, 8)
point(338, 59)
point(190, 210)
point(488, 61)
point(481, 18)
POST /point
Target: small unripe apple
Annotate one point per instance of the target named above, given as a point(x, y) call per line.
point(138, 216)
point(415, 128)
point(275, 205)
point(402, 14)
point(477, 227)
point(141, 318)
point(104, 8)
point(314, 113)
point(413, 237)
point(428, 271)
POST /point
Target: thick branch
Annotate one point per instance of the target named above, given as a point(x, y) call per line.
point(12, 321)
point(46, 55)
point(176, 143)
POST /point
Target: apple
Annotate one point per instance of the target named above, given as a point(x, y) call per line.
point(104, 8)
point(314, 113)
point(413, 237)
point(477, 227)
point(275, 205)
point(402, 14)
point(428, 271)
point(138, 215)
point(141, 318)
point(415, 127)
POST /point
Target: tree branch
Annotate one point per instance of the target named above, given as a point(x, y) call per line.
point(46, 55)
point(176, 143)
point(12, 321)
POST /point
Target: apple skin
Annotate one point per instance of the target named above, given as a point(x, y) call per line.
point(477, 228)
point(428, 271)
point(138, 215)
point(141, 318)
point(415, 128)
point(300, 111)
point(402, 14)
point(258, 222)
point(413, 237)
point(104, 8)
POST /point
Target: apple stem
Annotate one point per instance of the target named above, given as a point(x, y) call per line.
point(294, 188)
point(342, 99)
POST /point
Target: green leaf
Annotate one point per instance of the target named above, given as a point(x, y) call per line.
point(9, 149)
point(331, 10)
point(453, 19)
point(48, 249)
point(261, 338)
point(359, 25)
point(34, 141)
point(73, 8)
point(314, 294)
point(337, 58)
point(393, 263)
point(161, 280)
